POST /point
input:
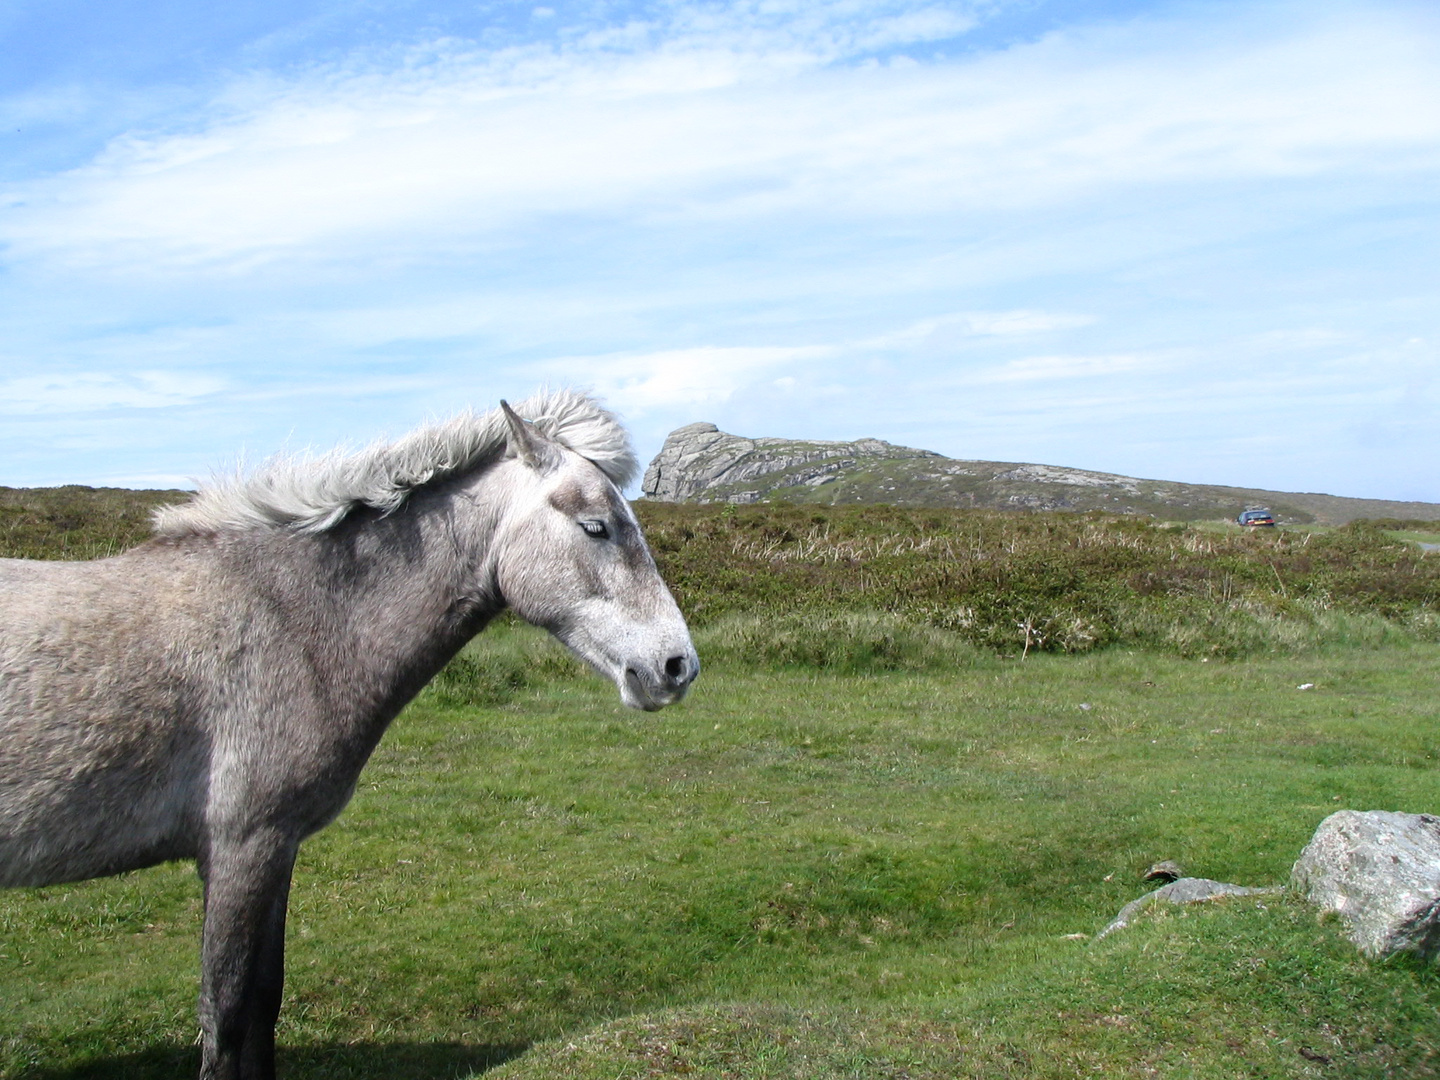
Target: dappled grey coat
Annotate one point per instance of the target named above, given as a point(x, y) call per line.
point(214, 693)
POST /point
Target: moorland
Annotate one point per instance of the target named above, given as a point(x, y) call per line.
point(930, 756)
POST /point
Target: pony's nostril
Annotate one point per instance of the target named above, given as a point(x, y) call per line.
point(677, 668)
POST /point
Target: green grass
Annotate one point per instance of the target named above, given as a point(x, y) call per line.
point(1415, 536)
point(859, 862)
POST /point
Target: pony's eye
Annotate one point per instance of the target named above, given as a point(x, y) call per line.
point(595, 528)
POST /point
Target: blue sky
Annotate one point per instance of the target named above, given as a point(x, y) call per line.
point(1193, 241)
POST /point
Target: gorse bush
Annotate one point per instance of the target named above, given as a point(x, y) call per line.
point(511, 657)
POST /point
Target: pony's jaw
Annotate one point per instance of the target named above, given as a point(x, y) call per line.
point(648, 678)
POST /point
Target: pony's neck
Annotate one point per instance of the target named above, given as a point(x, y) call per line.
point(399, 595)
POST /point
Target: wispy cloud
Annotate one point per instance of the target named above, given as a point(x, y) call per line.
point(1121, 244)
point(1064, 368)
point(700, 377)
point(87, 392)
point(724, 115)
point(678, 378)
point(947, 330)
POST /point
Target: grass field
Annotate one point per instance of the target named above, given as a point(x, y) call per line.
point(879, 867)
point(1416, 536)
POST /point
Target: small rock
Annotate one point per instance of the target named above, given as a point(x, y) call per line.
point(1164, 870)
point(1306, 686)
point(1381, 872)
point(1188, 890)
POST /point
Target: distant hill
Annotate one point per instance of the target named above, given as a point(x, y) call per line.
point(701, 463)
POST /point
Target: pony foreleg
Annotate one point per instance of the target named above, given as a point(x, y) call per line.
point(242, 955)
point(257, 1054)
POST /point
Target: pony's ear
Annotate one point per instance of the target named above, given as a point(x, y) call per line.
point(529, 445)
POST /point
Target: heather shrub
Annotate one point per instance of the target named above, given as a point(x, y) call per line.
point(891, 588)
point(1017, 583)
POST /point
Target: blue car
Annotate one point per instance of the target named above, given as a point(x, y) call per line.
point(1256, 515)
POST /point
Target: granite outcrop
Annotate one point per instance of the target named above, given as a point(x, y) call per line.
point(700, 463)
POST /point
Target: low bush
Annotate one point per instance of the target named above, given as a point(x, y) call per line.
point(1018, 583)
point(75, 522)
point(881, 587)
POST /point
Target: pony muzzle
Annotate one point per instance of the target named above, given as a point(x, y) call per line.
point(652, 688)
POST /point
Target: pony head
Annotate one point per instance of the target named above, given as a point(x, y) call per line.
point(570, 557)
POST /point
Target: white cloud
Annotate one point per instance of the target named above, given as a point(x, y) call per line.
point(1056, 368)
point(48, 106)
point(942, 330)
point(711, 119)
point(1153, 231)
point(676, 378)
point(97, 391)
point(1007, 323)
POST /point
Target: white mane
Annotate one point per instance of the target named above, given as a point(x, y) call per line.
point(312, 494)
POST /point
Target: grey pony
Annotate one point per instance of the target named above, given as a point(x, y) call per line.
point(214, 693)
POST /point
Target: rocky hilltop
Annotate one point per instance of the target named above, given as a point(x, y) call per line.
point(701, 463)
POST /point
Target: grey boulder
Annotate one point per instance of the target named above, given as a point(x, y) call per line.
point(1187, 890)
point(1380, 871)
